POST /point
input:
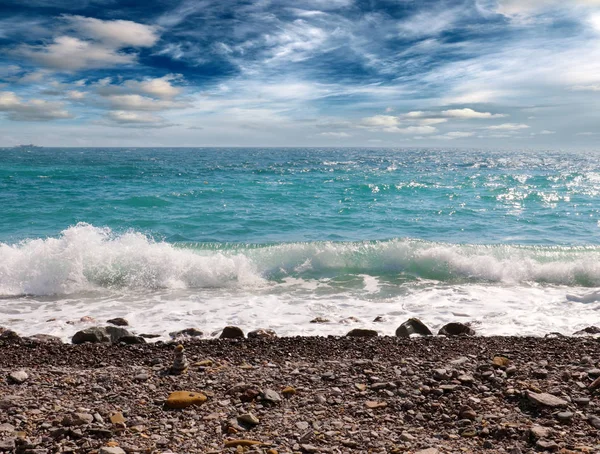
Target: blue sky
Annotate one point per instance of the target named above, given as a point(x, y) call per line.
point(459, 73)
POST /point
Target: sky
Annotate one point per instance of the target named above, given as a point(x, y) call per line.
point(379, 73)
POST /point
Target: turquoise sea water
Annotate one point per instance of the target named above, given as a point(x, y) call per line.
point(201, 235)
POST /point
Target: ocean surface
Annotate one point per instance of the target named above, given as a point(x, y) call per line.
point(272, 238)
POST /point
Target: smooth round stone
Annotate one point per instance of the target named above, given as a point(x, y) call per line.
point(564, 416)
point(581, 401)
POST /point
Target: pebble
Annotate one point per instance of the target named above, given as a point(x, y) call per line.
point(18, 377)
point(309, 448)
point(548, 445)
point(547, 400)
point(271, 396)
point(111, 450)
point(118, 321)
point(184, 399)
point(564, 416)
point(248, 418)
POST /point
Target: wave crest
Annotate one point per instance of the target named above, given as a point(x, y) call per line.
point(85, 258)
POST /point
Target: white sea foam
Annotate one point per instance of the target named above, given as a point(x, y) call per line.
point(160, 287)
point(86, 258)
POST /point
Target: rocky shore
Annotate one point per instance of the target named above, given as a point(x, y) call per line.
point(353, 394)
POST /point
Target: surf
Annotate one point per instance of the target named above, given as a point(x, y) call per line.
point(85, 257)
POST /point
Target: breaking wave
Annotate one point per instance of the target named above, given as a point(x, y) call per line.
point(84, 257)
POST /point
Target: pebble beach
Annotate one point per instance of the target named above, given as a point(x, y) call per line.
point(383, 394)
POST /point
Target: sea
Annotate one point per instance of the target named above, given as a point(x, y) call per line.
point(172, 238)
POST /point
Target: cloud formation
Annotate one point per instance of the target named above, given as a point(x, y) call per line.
point(32, 110)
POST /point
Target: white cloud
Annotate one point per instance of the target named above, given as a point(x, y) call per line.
point(32, 110)
point(72, 54)
point(135, 119)
point(547, 132)
point(98, 44)
point(76, 95)
point(508, 127)
point(428, 23)
point(380, 121)
point(161, 87)
point(595, 87)
point(118, 33)
point(516, 8)
point(467, 113)
point(454, 135)
point(335, 134)
point(138, 102)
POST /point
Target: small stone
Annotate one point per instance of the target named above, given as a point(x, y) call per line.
point(262, 334)
point(501, 361)
point(118, 321)
point(538, 432)
point(184, 399)
point(595, 384)
point(7, 428)
point(242, 442)
point(117, 419)
point(379, 319)
point(469, 432)
point(7, 444)
point(320, 320)
point(288, 391)
point(374, 404)
point(582, 401)
point(359, 332)
point(413, 326)
point(593, 373)
point(456, 329)
point(466, 379)
point(564, 416)
point(309, 448)
point(468, 413)
point(248, 419)
point(540, 373)
point(405, 436)
point(302, 425)
point(231, 332)
point(111, 450)
point(428, 451)
point(271, 396)
point(87, 319)
point(547, 400)
point(18, 377)
point(547, 445)
point(349, 320)
point(594, 421)
point(77, 419)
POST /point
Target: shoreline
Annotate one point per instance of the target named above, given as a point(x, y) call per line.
point(304, 394)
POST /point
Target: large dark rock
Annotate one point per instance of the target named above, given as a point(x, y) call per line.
point(118, 321)
point(262, 334)
point(231, 332)
point(360, 332)
point(456, 329)
point(188, 332)
point(99, 334)
point(132, 340)
point(45, 339)
point(589, 331)
point(8, 335)
point(413, 326)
